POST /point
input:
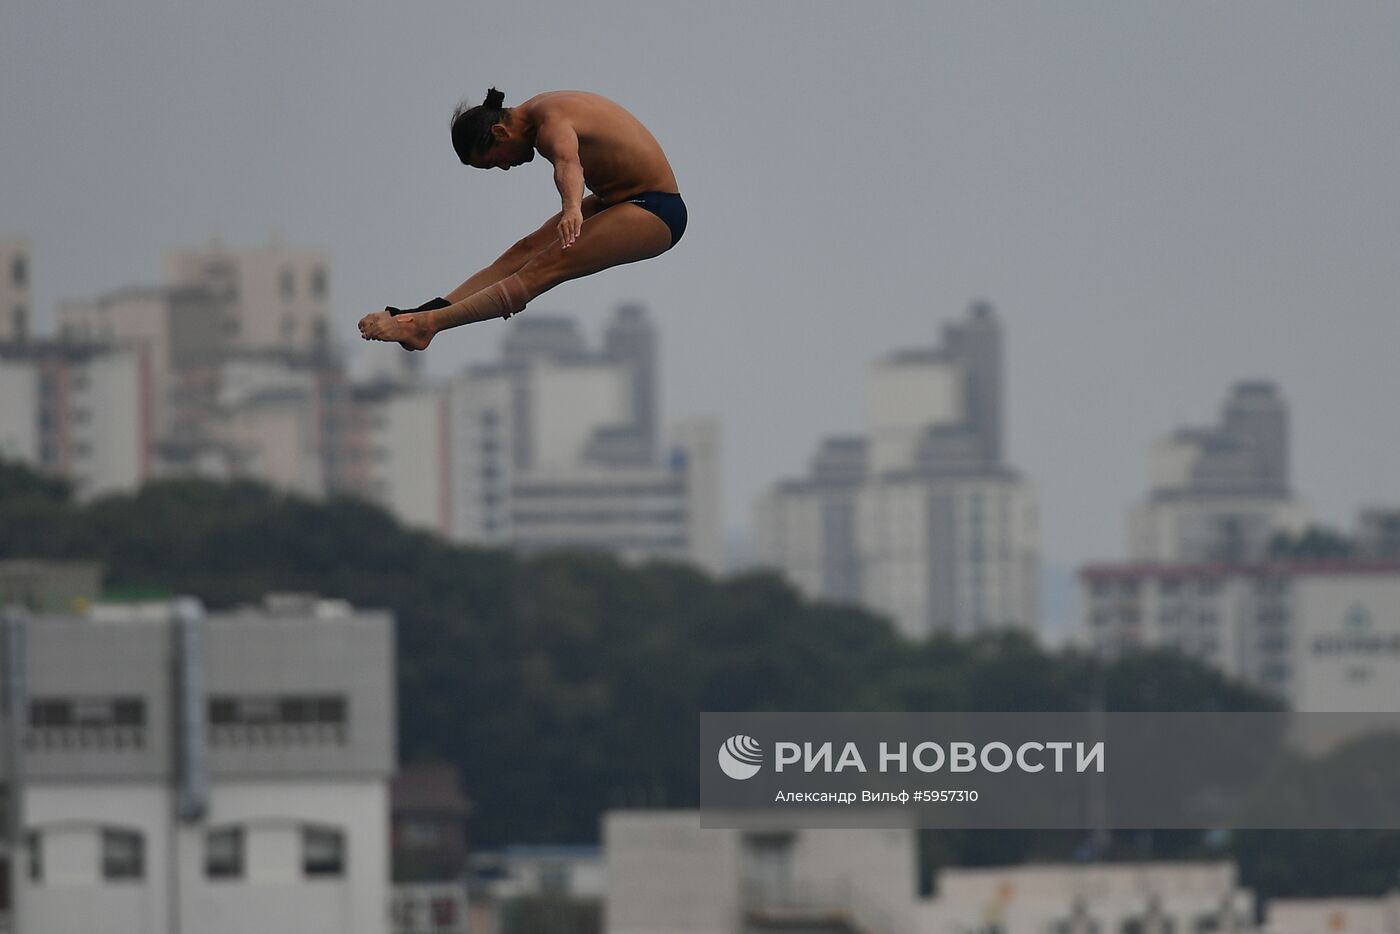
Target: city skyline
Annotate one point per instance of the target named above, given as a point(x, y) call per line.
point(1054, 580)
point(1159, 202)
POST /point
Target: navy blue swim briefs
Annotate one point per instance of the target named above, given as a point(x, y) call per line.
point(666, 205)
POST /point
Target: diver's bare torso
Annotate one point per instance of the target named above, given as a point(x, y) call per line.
point(620, 157)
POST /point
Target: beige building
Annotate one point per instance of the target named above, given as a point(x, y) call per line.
point(83, 412)
point(243, 380)
point(396, 448)
point(1334, 915)
point(273, 297)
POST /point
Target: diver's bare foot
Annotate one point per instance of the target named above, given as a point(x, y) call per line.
point(412, 331)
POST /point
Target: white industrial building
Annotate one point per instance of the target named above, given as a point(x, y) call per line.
point(1323, 635)
point(218, 773)
point(919, 518)
point(667, 875)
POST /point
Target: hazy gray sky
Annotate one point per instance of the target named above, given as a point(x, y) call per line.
point(1159, 198)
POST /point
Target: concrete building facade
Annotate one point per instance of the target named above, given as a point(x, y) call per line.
point(16, 304)
point(1324, 636)
point(1220, 493)
point(667, 875)
point(918, 518)
point(218, 773)
point(1380, 915)
point(84, 412)
point(274, 297)
point(556, 445)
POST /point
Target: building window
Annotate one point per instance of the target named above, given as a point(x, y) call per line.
point(420, 834)
point(554, 878)
point(123, 855)
point(288, 284)
point(223, 853)
point(34, 844)
point(303, 719)
point(322, 851)
point(19, 272)
point(318, 282)
point(444, 912)
point(86, 722)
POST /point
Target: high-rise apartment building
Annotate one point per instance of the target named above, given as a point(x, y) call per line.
point(273, 297)
point(84, 412)
point(16, 306)
point(919, 517)
point(559, 445)
point(1220, 493)
point(397, 448)
point(243, 380)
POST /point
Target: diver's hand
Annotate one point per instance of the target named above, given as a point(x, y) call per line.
point(570, 226)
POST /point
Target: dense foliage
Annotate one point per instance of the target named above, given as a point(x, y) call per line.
point(568, 683)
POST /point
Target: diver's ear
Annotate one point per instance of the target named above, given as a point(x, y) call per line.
point(499, 132)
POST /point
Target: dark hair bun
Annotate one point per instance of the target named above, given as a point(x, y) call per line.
point(495, 100)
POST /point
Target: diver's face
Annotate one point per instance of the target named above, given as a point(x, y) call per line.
point(503, 154)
